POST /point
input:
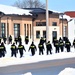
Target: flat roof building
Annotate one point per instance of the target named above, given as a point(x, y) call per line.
point(33, 24)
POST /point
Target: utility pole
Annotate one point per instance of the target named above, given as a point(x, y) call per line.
point(47, 30)
point(62, 14)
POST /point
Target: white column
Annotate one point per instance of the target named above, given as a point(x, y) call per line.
point(47, 30)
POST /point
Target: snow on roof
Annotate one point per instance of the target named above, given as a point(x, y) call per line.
point(54, 11)
point(65, 17)
point(13, 10)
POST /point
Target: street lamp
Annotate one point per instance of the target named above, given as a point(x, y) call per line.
point(47, 30)
point(1, 15)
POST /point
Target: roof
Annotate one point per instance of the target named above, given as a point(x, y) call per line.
point(70, 13)
point(13, 10)
point(39, 10)
point(65, 17)
point(35, 9)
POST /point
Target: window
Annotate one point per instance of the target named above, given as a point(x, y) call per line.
point(3, 30)
point(65, 31)
point(16, 30)
point(25, 29)
point(37, 34)
point(30, 30)
point(40, 23)
point(54, 24)
point(44, 23)
point(54, 34)
point(37, 23)
point(44, 34)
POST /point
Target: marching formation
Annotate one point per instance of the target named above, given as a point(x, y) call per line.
point(58, 44)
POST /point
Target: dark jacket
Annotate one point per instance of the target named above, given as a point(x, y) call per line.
point(2, 48)
point(48, 46)
point(14, 48)
point(41, 46)
point(21, 48)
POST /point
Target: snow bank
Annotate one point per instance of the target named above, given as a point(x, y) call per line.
point(67, 71)
point(29, 73)
point(7, 61)
point(13, 10)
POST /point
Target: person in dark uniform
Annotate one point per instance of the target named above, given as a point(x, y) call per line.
point(21, 48)
point(19, 39)
point(56, 44)
point(16, 40)
point(61, 45)
point(65, 39)
point(67, 45)
point(33, 49)
point(2, 50)
point(41, 48)
point(14, 50)
point(4, 39)
point(10, 39)
point(42, 40)
point(54, 40)
point(74, 43)
point(0, 39)
point(48, 47)
point(26, 40)
point(60, 39)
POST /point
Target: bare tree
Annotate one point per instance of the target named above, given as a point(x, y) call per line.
point(29, 4)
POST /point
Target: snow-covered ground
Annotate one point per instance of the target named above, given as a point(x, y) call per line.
point(28, 59)
point(67, 71)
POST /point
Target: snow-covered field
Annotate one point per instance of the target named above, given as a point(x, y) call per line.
point(8, 61)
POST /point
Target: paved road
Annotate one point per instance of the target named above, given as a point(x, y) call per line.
point(50, 67)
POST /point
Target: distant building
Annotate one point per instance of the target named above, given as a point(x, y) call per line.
point(55, 24)
point(16, 24)
point(71, 25)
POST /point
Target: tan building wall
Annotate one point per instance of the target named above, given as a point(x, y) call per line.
point(26, 21)
point(11, 20)
point(52, 18)
point(64, 32)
